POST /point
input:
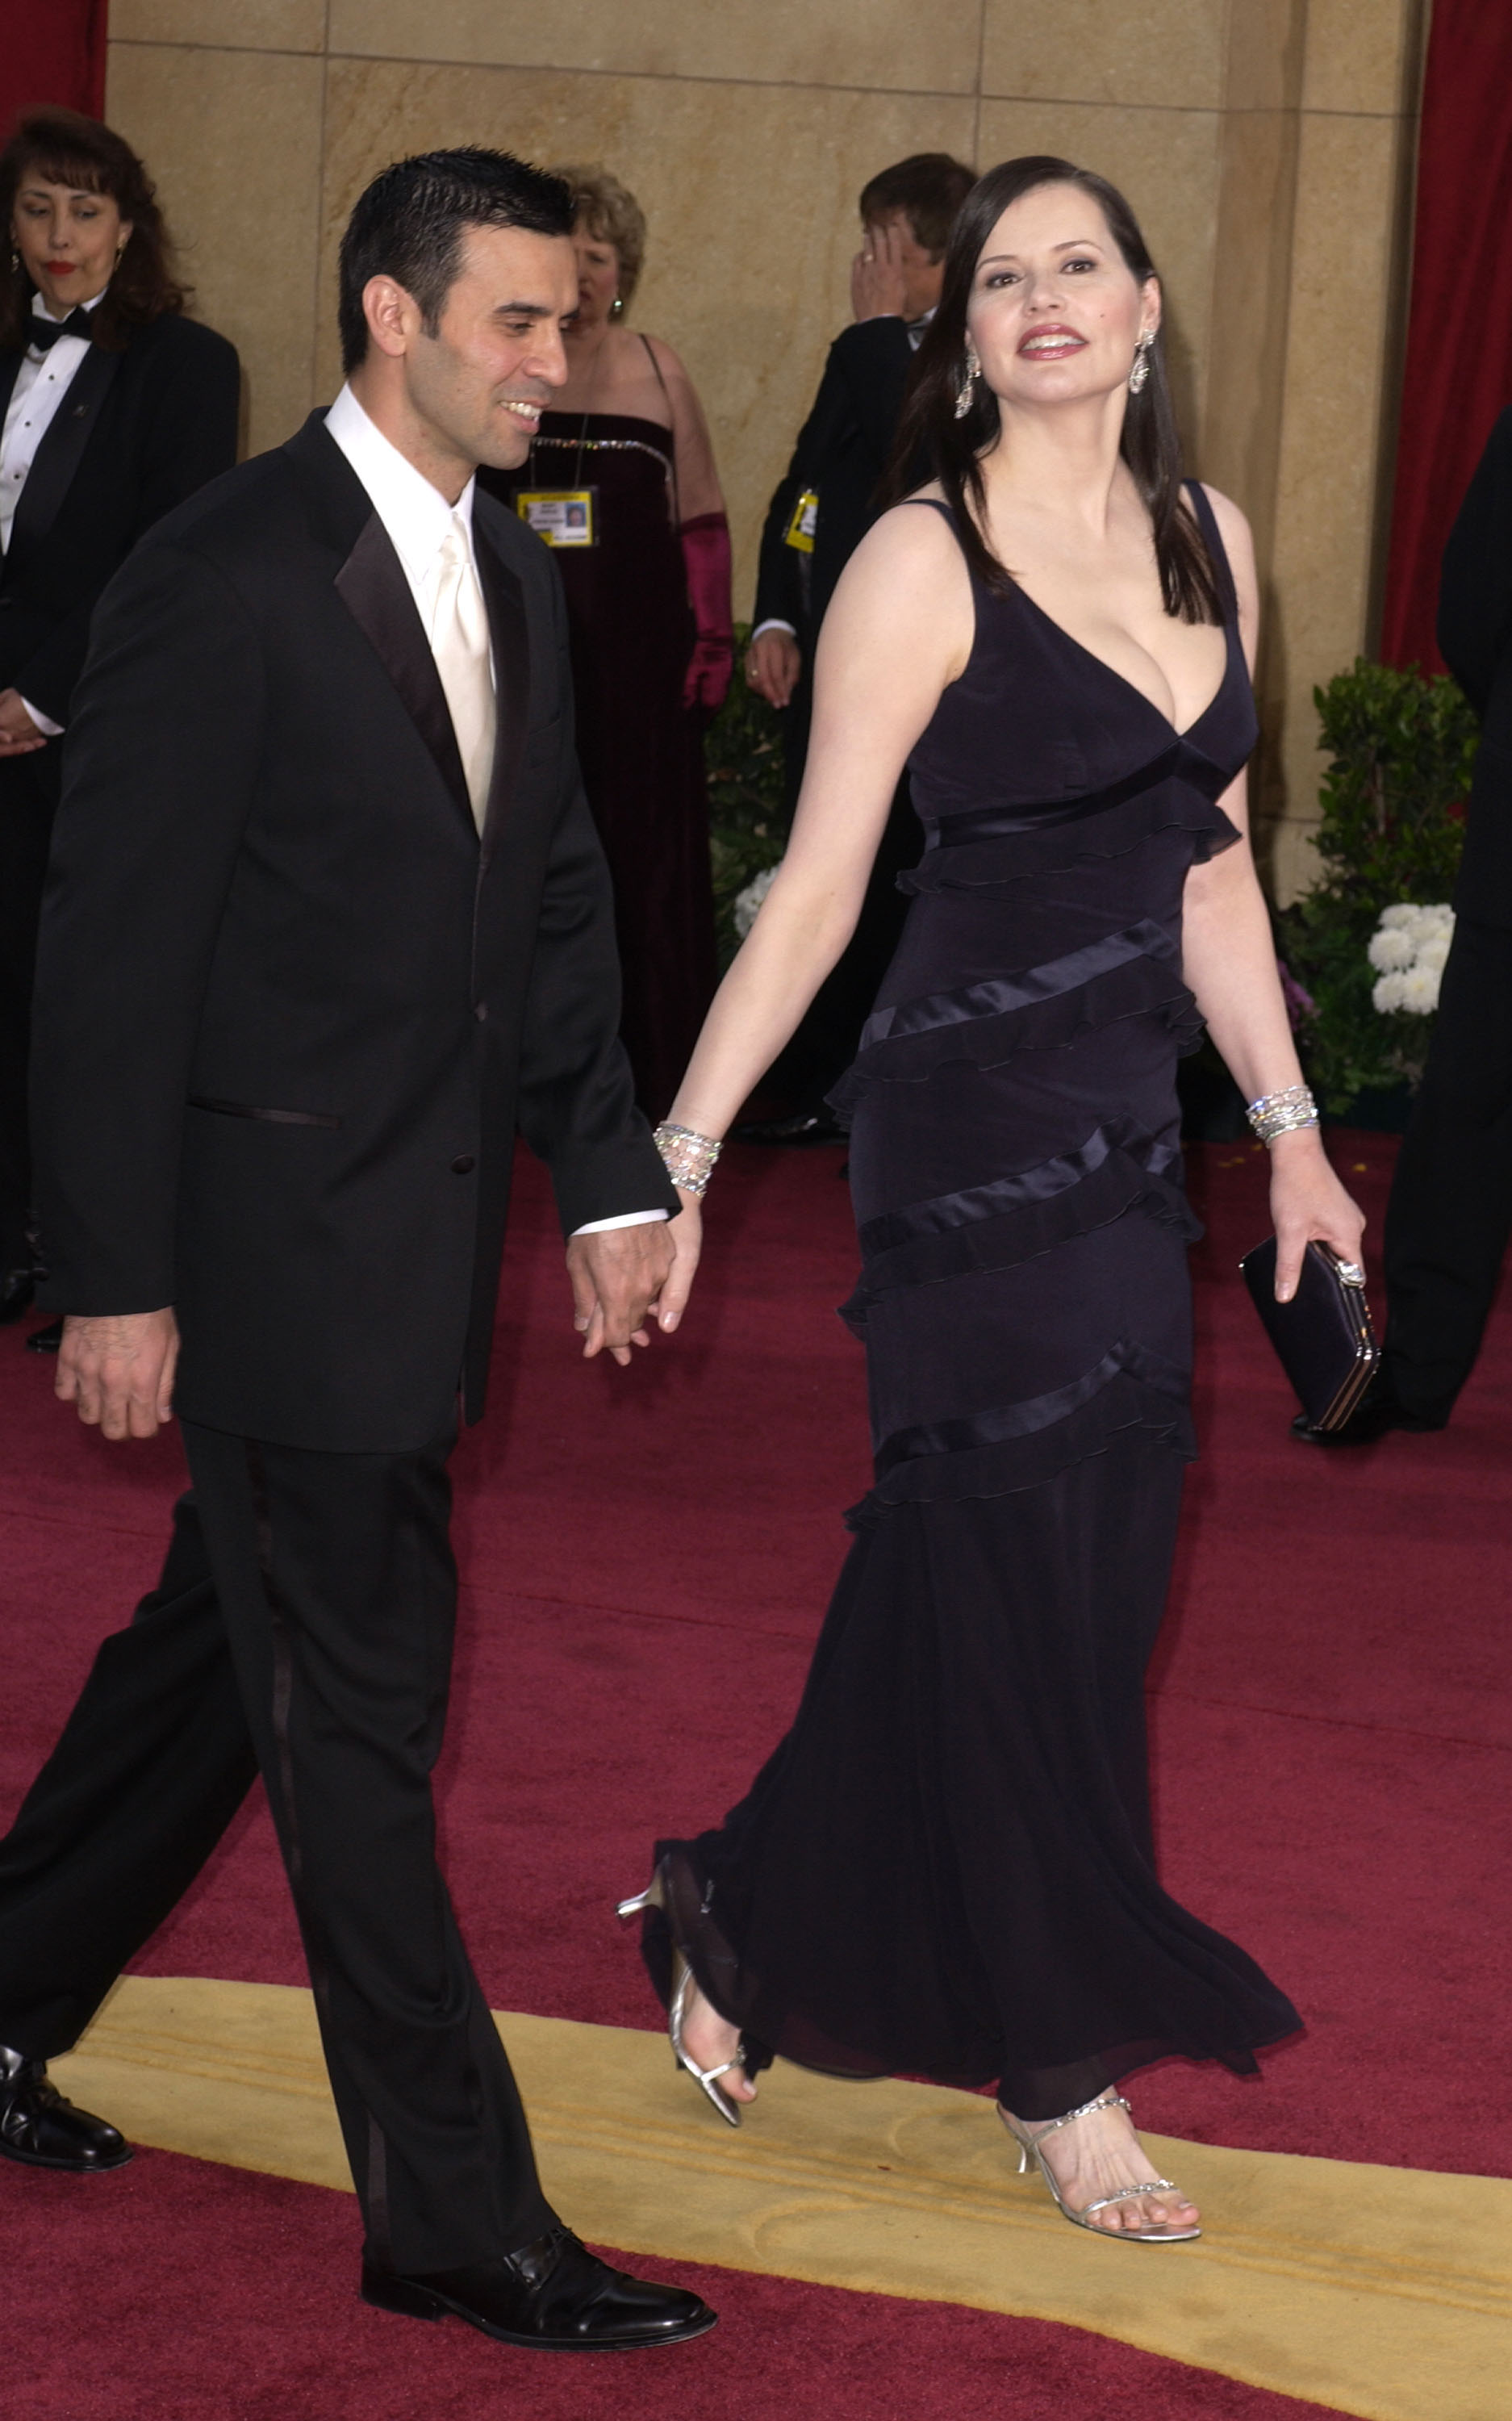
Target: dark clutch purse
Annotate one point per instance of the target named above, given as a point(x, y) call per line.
point(1323, 1336)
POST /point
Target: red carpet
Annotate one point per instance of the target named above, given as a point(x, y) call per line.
point(646, 1556)
point(183, 2292)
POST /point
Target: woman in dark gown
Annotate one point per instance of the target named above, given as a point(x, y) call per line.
point(645, 561)
point(947, 1867)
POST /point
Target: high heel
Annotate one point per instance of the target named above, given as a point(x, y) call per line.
point(1029, 2140)
point(684, 1982)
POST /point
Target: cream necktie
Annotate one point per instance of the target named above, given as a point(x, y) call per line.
point(460, 642)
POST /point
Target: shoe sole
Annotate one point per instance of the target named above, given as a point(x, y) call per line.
point(423, 2304)
point(74, 2168)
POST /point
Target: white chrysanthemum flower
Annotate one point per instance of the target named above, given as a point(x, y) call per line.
point(1405, 913)
point(1393, 947)
point(1433, 952)
point(1389, 992)
point(1440, 918)
point(749, 900)
point(1420, 990)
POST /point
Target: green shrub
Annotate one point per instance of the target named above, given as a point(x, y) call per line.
point(1401, 749)
point(747, 822)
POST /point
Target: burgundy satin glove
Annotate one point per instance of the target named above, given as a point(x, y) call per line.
point(706, 555)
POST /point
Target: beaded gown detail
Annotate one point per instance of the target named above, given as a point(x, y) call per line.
point(947, 1867)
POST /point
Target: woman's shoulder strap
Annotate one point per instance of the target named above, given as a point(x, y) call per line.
point(1208, 522)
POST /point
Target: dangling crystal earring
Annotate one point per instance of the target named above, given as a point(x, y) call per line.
point(616, 308)
point(967, 385)
point(1142, 362)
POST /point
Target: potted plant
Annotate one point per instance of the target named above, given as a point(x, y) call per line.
point(1361, 974)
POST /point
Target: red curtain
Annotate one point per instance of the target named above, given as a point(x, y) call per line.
point(51, 50)
point(1458, 371)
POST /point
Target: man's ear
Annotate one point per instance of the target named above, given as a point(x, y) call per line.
point(392, 315)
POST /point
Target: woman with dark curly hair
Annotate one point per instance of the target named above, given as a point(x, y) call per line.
point(114, 408)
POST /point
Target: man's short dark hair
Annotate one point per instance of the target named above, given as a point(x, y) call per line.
point(928, 188)
point(408, 225)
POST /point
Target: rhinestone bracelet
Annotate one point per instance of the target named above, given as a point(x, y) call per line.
point(689, 1158)
point(1284, 1112)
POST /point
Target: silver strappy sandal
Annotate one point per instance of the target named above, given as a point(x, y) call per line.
point(684, 1982)
point(1029, 2140)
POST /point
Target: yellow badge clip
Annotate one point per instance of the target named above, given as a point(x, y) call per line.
point(804, 521)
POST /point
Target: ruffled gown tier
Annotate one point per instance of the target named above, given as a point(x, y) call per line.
point(947, 1867)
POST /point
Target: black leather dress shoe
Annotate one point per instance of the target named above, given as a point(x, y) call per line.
point(553, 2294)
point(46, 1340)
point(17, 1288)
point(1377, 1412)
point(805, 1127)
point(39, 2127)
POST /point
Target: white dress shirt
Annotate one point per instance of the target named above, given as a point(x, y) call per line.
point(41, 383)
point(417, 519)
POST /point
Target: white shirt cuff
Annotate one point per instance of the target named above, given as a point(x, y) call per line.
point(45, 723)
point(625, 1219)
point(772, 623)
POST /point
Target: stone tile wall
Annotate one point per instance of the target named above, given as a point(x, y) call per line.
point(1266, 144)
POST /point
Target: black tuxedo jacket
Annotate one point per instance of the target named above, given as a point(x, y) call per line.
point(136, 433)
point(1475, 639)
point(842, 452)
point(288, 1009)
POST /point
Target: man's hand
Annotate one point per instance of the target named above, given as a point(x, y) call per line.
point(879, 288)
point(119, 1371)
point(19, 734)
point(617, 1275)
point(772, 664)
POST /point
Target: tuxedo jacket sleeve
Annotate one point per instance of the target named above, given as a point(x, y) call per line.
point(137, 433)
point(1475, 637)
point(841, 454)
point(288, 1008)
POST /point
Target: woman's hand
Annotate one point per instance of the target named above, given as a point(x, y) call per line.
point(1308, 1203)
point(18, 734)
point(686, 1232)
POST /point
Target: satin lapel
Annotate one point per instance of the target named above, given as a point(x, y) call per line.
point(510, 635)
point(376, 593)
point(62, 447)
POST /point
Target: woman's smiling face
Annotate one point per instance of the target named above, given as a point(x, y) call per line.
point(1055, 313)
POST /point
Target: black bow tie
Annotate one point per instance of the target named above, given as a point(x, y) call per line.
point(44, 334)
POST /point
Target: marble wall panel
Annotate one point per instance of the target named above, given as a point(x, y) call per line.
point(1267, 47)
point(233, 140)
point(1362, 54)
point(1166, 54)
point(223, 24)
point(885, 45)
point(750, 192)
point(1165, 161)
point(1329, 472)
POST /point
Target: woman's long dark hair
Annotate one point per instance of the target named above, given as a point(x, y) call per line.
point(1148, 444)
point(64, 148)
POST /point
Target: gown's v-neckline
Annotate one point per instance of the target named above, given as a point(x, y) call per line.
point(1179, 731)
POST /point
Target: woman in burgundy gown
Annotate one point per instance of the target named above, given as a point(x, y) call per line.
point(947, 1868)
point(621, 482)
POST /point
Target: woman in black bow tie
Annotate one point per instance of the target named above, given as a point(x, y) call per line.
point(114, 408)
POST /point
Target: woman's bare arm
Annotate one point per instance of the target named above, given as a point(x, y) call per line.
point(1229, 961)
point(898, 630)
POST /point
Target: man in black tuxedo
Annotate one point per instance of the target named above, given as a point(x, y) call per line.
point(1450, 1212)
point(818, 515)
point(327, 920)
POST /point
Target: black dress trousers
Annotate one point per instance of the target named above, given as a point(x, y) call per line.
point(1450, 1213)
point(28, 801)
point(308, 1599)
